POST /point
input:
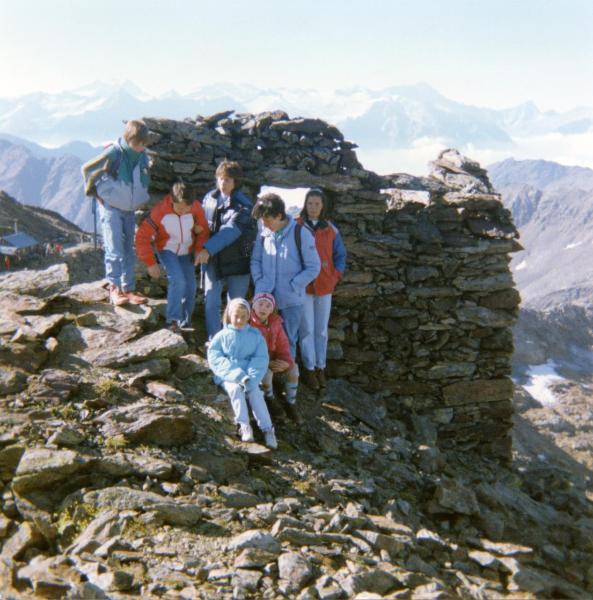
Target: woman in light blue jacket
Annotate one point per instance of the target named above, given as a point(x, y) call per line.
point(284, 262)
point(238, 357)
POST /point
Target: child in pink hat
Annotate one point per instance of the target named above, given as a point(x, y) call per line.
point(265, 318)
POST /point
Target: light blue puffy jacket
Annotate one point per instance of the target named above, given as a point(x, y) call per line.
point(234, 354)
point(276, 266)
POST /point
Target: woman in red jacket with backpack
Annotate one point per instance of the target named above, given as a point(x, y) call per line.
point(313, 331)
point(177, 228)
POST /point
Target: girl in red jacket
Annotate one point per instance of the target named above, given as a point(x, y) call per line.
point(265, 318)
point(313, 331)
point(177, 229)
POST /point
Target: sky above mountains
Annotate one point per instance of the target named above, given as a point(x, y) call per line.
point(495, 53)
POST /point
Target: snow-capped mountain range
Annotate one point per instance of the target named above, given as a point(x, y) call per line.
point(394, 117)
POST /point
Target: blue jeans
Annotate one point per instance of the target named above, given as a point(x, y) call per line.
point(291, 315)
point(118, 228)
point(181, 286)
point(236, 288)
point(313, 333)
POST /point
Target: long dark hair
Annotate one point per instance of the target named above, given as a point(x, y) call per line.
point(324, 209)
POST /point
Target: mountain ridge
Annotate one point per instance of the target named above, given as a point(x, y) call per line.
point(94, 112)
point(552, 205)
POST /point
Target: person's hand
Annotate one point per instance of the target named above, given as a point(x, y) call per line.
point(198, 229)
point(278, 366)
point(202, 257)
point(154, 271)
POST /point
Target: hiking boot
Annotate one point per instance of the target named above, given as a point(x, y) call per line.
point(294, 413)
point(117, 297)
point(320, 373)
point(174, 327)
point(273, 406)
point(135, 298)
point(270, 438)
point(246, 432)
point(309, 378)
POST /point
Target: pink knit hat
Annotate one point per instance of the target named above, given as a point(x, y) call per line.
point(264, 296)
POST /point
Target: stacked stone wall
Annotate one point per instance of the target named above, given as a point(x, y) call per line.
point(423, 316)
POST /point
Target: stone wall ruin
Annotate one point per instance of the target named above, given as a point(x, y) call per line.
point(423, 316)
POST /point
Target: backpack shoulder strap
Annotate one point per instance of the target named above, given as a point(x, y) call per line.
point(298, 240)
point(151, 222)
point(116, 161)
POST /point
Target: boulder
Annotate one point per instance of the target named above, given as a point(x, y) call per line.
point(40, 283)
point(294, 570)
point(41, 468)
point(255, 538)
point(123, 498)
point(145, 421)
point(160, 344)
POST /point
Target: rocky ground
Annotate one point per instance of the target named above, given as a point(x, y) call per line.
point(566, 425)
point(123, 477)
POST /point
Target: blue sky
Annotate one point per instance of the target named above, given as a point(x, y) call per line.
point(494, 53)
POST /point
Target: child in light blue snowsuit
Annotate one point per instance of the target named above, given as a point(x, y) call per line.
point(238, 357)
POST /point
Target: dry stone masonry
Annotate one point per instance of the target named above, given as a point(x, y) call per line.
point(423, 317)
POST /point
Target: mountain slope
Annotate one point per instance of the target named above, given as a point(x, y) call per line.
point(44, 225)
point(54, 183)
point(552, 206)
point(81, 150)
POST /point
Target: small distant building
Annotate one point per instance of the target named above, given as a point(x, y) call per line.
point(18, 244)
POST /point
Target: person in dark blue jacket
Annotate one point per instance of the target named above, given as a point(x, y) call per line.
point(226, 255)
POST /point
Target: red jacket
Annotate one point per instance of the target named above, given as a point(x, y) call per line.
point(170, 231)
point(275, 337)
point(331, 251)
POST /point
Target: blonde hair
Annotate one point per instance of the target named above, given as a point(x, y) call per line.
point(232, 305)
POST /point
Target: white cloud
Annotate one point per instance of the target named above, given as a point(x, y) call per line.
point(576, 149)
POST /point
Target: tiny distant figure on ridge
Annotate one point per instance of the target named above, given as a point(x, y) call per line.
point(238, 357)
point(226, 255)
point(284, 262)
point(178, 229)
point(313, 331)
point(119, 179)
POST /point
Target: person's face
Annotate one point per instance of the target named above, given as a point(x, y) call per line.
point(263, 309)
point(181, 208)
point(238, 317)
point(137, 146)
point(273, 223)
point(225, 184)
point(314, 206)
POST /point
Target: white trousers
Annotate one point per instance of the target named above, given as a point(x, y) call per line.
point(239, 398)
point(313, 331)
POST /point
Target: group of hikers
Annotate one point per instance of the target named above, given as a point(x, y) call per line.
point(295, 265)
